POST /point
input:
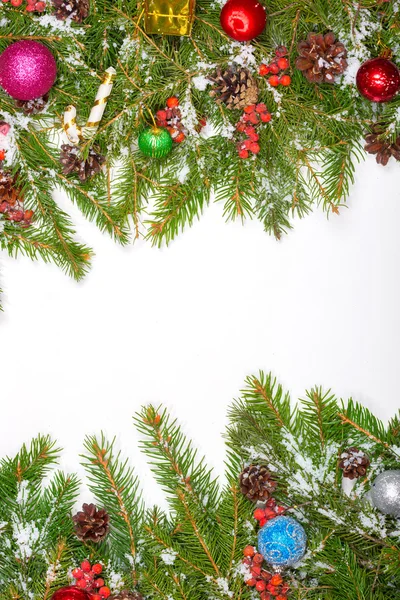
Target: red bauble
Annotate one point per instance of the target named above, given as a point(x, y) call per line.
point(70, 592)
point(378, 80)
point(243, 20)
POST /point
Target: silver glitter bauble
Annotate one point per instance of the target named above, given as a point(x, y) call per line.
point(385, 492)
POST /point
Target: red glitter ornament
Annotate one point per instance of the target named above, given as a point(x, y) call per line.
point(378, 80)
point(70, 592)
point(243, 20)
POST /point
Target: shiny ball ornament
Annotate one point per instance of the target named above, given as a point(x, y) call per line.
point(155, 142)
point(282, 541)
point(70, 592)
point(385, 492)
point(378, 80)
point(243, 20)
point(27, 70)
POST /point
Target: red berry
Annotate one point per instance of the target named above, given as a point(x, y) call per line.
point(95, 597)
point(274, 69)
point(285, 80)
point(249, 109)
point(254, 137)
point(281, 51)
point(283, 63)
point(249, 130)
point(280, 509)
point(99, 583)
point(274, 80)
point(172, 102)
point(255, 571)
point(82, 583)
point(251, 582)
point(270, 514)
point(271, 502)
point(40, 6)
point(281, 597)
point(246, 118)
point(263, 69)
point(253, 118)
point(249, 551)
point(258, 559)
point(97, 568)
point(247, 561)
point(162, 115)
point(246, 144)
point(180, 137)
point(33, 2)
point(4, 207)
point(2, 154)
point(5, 1)
point(260, 585)
point(76, 573)
point(85, 566)
point(244, 153)
point(265, 117)
point(266, 575)
point(260, 108)
point(30, 8)
point(202, 122)
point(276, 579)
point(265, 596)
point(104, 591)
point(241, 126)
point(255, 148)
point(262, 522)
point(16, 2)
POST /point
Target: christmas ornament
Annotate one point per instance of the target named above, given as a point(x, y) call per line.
point(321, 57)
point(380, 143)
point(155, 142)
point(385, 492)
point(73, 162)
point(354, 463)
point(378, 80)
point(91, 523)
point(256, 482)
point(243, 20)
point(32, 107)
point(70, 592)
point(235, 87)
point(282, 541)
point(27, 70)
point(267, 584)
point(76, 10)
point(172, 17)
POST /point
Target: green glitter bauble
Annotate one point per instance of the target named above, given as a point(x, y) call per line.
point(155, 142)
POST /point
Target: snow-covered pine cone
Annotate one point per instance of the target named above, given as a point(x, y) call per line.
point(235, 87)
point(257, 483)
point(354, 463)
point(321, 57)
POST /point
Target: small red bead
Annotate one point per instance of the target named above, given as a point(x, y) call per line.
point(276, 579)
point(251, 582)
point(243, 153)
point(85, 566)
point(16, 2)
point(261, 107)
point(250, 108)
point(172, 102)
point(280, 509)
point(97, 568)
point(253, 118)
point(274, 80)
point(270, 514)
point(283, 63)
point(285, 80)
point(98, 583)
point(274, 69)
point(256, 571)
point(258, 559)
point(2, 154)
point(104, 591)
point(281, 51)
point(265, 118)
point(28, 214)
point(40, 6)
point(95, 597)
point(82, 583)
point(263, 69)
point(260, 585)
point(180, 137)
point(162, 115)
point(262, 522)
point(266, 575)
point(255, 148)
point(76, 573)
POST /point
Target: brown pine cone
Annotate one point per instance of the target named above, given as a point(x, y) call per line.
point(382, 146)
point(127, 595)
point(9, 190)
point(91, 523)
point(321, 57)
point(354, 463)
point(256, 483)
point(32, 107)
point(236, 88)
point(72, 162)
point(77, 10)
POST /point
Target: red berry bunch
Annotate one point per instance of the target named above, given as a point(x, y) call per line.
point(170, 118)
point(268, 512)
point(279, 64)
point(270, 586)
point(31, 5)
point(11, 205)
point(86, 577)
point(253, 115)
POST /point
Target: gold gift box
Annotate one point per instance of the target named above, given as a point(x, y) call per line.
point(174, 17)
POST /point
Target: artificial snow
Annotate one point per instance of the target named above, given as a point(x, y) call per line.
point(168, 556)
point(56, 25)
point(200, 82)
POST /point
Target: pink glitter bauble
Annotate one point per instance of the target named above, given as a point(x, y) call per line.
point(27, 70)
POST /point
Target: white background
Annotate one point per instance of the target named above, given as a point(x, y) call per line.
point(184, 325)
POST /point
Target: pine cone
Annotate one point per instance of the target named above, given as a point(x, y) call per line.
point(321, 57)
point(354, 463)
point(127, 595)
point(383, 148)
point(256, 483)
point(236, 88)
point(32, 107)
point(9, 190)
point(73, 162)
point(91, 524)
point(77, 10)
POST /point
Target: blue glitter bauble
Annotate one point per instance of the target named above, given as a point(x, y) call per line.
point(282, 541)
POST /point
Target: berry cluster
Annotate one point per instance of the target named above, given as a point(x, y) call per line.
point(279, 64)
point(11, 205)
point(268, 512)
point(86, 577)
point(270, 586)
point(31, 5)
point(170, 118)
point(253, 115)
